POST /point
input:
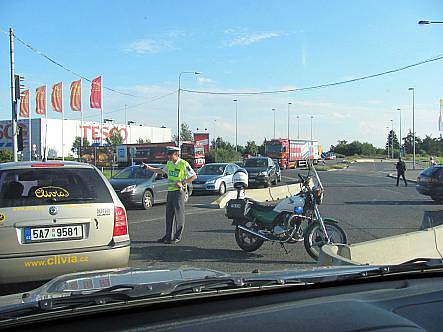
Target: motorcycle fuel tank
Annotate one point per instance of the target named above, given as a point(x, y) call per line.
point(289, 204)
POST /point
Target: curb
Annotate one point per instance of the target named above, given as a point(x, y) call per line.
point(394, 176)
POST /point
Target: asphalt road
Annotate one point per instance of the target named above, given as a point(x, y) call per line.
point(362, 197)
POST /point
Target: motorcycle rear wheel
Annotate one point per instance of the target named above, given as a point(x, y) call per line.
point(314, 237)
point(245, 241)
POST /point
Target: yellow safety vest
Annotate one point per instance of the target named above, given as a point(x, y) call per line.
point(176, 173)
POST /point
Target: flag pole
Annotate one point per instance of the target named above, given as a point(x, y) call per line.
point(29, 126)
point(101, 111)
point(81, 120)
point(63, 121)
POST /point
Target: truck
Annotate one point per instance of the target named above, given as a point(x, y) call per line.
point(155, 153)
point(292, 153)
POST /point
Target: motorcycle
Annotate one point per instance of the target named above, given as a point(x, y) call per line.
point(292, 220)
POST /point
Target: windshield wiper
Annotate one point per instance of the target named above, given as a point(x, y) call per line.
point(71, 199)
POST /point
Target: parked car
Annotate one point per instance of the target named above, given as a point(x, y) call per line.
point(137, 186)
point(216, 177)
point(430, 183)
point(58, 218)
point(261, 171)
point(277, 169)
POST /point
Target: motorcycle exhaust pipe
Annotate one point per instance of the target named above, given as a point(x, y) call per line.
point(250, 231)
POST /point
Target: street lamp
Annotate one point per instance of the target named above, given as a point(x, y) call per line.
point(430, 22)
point(392, 134)
point(298, 127)
point(236, 123)
point(400, 142)
point(178, 100)
point(312, 117)
point(413, 126)
point(289, 107)
point(389, 143)
point(273, 110)
point(108, 120)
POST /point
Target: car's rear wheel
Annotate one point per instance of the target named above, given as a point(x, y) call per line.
point(222, 188)
point(438, 199)
point(148, 200)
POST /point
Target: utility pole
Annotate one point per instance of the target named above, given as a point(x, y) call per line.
point(126, 107)
point(392, 140)
point(13, 96)
point(311, 127)
point(236, 123)
point(298, 127)
point(273, 110)
point(400, 141)
point(413, 126)
point(289, 109)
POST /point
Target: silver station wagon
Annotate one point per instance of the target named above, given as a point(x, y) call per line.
point(57, 218)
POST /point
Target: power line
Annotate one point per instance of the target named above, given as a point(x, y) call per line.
point(319, 86)
point(35, 50)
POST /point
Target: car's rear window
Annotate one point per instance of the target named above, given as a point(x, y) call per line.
point(256, 163)
point(44, 186)
point(430, 171)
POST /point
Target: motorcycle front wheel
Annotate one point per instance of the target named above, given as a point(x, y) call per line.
point(246, 241)
point(315, 238)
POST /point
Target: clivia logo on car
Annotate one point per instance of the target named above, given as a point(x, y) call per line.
point(51, 192)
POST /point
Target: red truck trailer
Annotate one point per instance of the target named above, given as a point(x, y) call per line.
point(293, 153)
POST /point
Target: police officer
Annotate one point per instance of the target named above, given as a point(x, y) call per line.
point(401, 169)
point(179, 174)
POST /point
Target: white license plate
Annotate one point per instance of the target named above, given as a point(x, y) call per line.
point(56, 233)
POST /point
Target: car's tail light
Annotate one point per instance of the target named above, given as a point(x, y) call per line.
point(120, 222)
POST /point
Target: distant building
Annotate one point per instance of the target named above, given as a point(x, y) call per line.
point(49, 132)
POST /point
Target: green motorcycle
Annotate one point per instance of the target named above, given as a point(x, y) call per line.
point(292, 220)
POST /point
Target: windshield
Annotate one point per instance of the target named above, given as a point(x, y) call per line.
point(134, 172)
point(215, 169)
point(256, 163)
point(234, 136)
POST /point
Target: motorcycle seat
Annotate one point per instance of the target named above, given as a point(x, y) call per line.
point(260, 206)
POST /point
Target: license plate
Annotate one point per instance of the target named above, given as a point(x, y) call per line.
point(57, 233)
point(198, 186)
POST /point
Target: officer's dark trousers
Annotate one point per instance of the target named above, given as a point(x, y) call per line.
point(175, 214)
point(402, 174)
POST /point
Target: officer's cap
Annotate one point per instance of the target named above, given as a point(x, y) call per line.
point(172, 149)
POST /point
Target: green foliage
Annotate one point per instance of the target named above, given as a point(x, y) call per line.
point(115, 138)
point(76, 143)
point(5, 156)
point(251, 148)
point(185, 133)
point(222, 151)
point(355, 148)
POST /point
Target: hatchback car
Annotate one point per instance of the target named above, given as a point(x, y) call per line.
point(215, 178)
point(261, 171)
point(430, 183)
point(137, 186)
point(57, 218)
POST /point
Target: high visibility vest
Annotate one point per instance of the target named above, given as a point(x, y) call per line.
point(176, 173)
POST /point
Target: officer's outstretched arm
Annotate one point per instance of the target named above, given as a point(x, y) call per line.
point(153, 169)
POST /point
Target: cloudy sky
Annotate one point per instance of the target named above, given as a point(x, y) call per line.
point(239, 46)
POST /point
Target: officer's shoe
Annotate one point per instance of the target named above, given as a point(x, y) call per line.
point(164, 239)
point(176, 240)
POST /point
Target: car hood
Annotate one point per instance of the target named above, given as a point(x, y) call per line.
point(68, 284)
point(208, 177)
point(119, 184)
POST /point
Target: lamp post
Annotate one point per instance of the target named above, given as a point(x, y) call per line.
point(236, 123)
point(312, 117)
point(178, 101)
point(400, 141)
point(413, 126)
point(392, 134)
point(298, 127)
point(273, 110)
point(289, 109)
point(389, 143)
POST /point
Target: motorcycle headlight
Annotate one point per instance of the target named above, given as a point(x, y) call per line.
point(129, 189)
point(298, 210)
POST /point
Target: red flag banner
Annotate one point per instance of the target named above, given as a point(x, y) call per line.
point(76, 96)
point(56, 97)
point(95, 99)
point(40, 100)
point(24, 104)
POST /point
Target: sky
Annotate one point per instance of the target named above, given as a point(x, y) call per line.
point(140, 47)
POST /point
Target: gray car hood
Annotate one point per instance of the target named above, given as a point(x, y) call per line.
point(208, 177)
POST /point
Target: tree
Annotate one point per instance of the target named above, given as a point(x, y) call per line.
point(408, 143)
point(185, 133)
point(143, 141)
point(392, 137)
point(5, 155)
point(222, 151)
point(114, 138)
point(251, 148)
point(76, 143)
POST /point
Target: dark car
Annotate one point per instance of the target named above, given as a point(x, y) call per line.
point(430, 182)
point(277, 169)
point(261, 171)
point(136, 186)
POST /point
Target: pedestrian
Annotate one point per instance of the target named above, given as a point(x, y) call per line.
point(401, 169)
point(432, 161)
point(179, 174)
